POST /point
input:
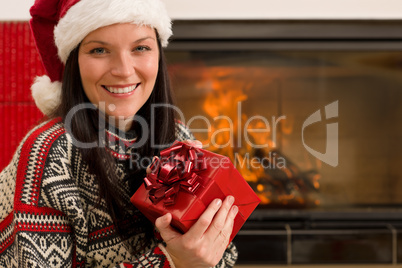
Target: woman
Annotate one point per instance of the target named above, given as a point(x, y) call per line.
point(65, 195)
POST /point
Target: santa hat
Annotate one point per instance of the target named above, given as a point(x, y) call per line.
point(59, 26)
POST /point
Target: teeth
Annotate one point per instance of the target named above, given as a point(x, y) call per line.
point(117, 90)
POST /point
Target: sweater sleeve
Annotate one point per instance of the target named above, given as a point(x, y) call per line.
point(229, 257)
point(160, 258)
point(33, 234)
point(157, 258)
point(182, 132)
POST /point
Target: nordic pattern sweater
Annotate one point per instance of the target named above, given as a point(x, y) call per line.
point(50, 214)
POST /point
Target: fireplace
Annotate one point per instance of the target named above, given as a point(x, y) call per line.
point(310, 112)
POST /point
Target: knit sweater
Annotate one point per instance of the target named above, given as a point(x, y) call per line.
point(49, 207)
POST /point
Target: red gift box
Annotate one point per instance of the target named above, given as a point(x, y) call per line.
point(185, 180)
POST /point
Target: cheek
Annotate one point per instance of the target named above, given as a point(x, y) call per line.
point(87, 70)
point(150, 68)
point(90, 74)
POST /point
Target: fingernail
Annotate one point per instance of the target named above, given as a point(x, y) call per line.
point(218, 202)
point(235, 209)
point(166, 218)
point(231, 199)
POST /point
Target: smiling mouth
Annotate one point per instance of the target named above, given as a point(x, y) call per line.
point(121, 90)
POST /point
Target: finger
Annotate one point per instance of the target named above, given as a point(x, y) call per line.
point(220, 219)
point(151, 166)
point(222, 239)
point(195, 143)
point(202, 224)
point(164, 228)
point(224, 235)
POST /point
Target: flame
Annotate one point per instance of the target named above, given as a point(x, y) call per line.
point(225, 87)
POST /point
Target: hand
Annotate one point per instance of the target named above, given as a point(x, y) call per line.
point(195, 143)
point(205, 242)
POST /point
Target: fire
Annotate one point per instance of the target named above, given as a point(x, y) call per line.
point(275, 184)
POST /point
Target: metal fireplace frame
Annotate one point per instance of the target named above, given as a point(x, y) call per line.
point(271, 236)
point(287, 34)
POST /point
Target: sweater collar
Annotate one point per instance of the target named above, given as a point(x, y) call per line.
point(120, 143)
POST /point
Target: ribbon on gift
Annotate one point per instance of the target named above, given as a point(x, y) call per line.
point(174, 171)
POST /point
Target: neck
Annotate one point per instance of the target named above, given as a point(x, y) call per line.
point(121, 123)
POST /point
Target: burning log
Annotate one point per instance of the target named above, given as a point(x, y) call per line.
point(283, 183)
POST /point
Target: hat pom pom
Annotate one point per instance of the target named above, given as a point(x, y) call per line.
point(46, 94)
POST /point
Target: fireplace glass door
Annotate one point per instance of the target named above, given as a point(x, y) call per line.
point(316, 129)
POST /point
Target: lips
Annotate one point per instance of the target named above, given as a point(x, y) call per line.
point(121, 89)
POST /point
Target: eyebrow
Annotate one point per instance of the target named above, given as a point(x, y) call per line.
point(106, 43)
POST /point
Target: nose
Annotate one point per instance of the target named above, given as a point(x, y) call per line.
point(122, 65)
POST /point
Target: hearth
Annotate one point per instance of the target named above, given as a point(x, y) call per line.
point(310, 112)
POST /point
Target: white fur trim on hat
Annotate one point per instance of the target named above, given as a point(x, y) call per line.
point(89, 15)
point(46, 94)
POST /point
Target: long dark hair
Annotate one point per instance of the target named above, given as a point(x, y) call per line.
point(85, 128)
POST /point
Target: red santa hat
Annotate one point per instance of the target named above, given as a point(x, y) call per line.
point(59, 26)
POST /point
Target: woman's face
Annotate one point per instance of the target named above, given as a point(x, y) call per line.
point(118, 66)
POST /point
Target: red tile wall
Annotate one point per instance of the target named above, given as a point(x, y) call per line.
point(19, 64)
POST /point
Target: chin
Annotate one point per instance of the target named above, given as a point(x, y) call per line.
point(123, 116)
point(119, 113)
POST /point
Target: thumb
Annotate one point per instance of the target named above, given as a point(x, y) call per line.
point(166, 231)
point(153, 165)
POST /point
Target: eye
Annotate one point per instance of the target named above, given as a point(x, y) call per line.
point(98, 51)
point(141, 49)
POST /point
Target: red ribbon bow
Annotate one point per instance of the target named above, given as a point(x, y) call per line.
point(174, 171)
